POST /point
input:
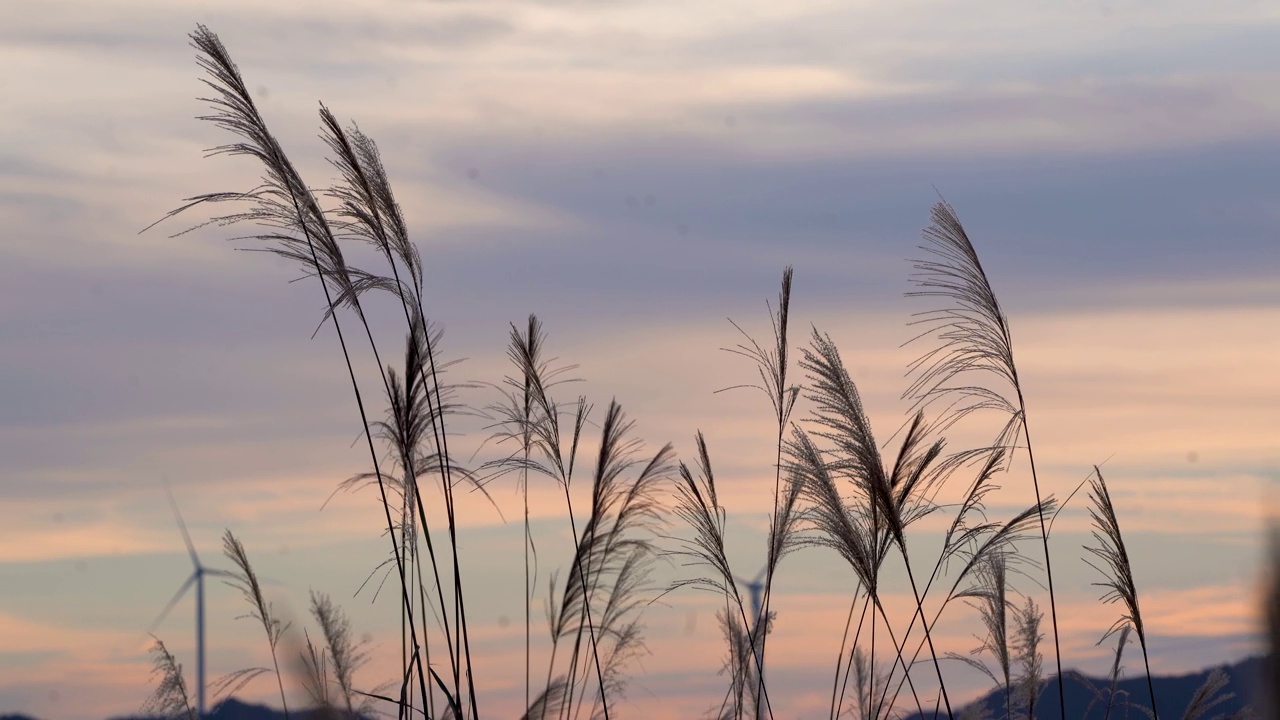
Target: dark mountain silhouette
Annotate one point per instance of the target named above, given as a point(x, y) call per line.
point(1173, 694)
point(233, 709)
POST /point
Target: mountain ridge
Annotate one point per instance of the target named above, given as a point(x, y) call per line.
point(1173, 692)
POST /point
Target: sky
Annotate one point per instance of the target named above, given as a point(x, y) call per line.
point(637, 173)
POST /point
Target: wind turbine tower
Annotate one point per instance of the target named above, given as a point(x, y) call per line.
point(756, 588)
point(196, 578)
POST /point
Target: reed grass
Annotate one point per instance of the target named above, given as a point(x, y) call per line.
point(834, 486)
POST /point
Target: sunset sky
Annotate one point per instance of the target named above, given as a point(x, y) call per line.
point(634, 172)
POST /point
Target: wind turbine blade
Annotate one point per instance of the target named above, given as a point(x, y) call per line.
point(760, 577)
point(182, 525)
point(176, 597)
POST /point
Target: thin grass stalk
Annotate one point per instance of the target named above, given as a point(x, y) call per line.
point(1115, 671)
point(928, 636)
point(836, 707)
point(844, 639)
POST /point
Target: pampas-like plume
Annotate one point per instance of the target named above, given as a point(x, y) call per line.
point(990, 594)
point(549, 702)
point(772, 366)
point(896, 497)
point(1113, 678)
point(698, 505)
point(368, 211)
point(294, 227)
point(1116, 569)
point(344, 654)
point(973, 339)
point(516, 417)
point(246, 581)
point(170, 699)
point(982, 543)
point(612, 552)
point(604, 559)
point(1026, 644)
point(1208, 696)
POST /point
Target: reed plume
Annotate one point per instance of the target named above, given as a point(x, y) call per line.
point(1208, 696)
point(292, 223)
point(972, 340)
point(990, 595)
point(895, 497)
point(246, 581)
point(1026, 646)
point(1116, 569)
point(697, 504)
point(170, 699)
point(516, 416)
point(344, 654)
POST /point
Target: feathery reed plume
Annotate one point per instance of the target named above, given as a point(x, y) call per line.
point(1116, 569)
point(1026, 646)
point(315, 676)
point(771, 365)
point(414, 407)
point(698, 505)
point(549, 702)
point(611, 548)
point(611, 552)
point(345, 655)
point(170, 699)
point(368, 210)
point(982, 542)
point(516, 423)
point(1112, 677)
point(246, 581)
point(737, 663)
point(847, 530)
point(1121, 641)
point(1208, 696)
point(896, 498)
point(990, 595)
point(605, 560)
point(973, 338)
point(867, 680)
point(295, 226)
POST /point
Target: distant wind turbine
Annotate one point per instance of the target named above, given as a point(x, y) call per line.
point(197, 577)
point(756, 588)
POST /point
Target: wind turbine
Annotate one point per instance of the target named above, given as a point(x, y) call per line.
point(756, 588)
point(197, 577)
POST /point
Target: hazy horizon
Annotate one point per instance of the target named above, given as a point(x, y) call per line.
point(634, 173)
